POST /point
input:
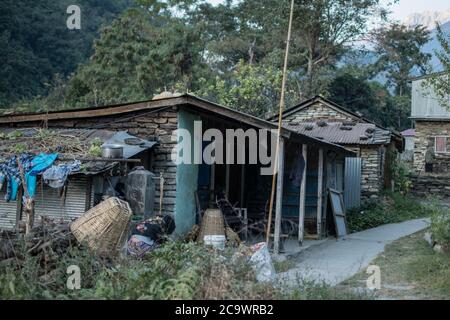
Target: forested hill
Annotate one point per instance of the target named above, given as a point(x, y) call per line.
point(37, 48)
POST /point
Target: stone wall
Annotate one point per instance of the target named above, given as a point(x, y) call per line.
point(317, 111)
point(425, 133)
point(371, 172)
point(157, 126)
point(431, 184)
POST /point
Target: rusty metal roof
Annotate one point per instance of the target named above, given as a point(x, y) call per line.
point(343, 132)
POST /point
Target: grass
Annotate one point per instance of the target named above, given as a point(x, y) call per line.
point(390, 208)
point(410, 269)
point(175, 271)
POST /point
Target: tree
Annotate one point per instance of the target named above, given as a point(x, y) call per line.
point(399, 54)
point(35, 43)
point(370, 99)
point(441, 82)
point(252, 88)
point(141, 53)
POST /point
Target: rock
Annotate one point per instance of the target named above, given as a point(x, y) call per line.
point(429, 238)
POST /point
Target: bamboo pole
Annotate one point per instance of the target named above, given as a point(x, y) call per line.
point(280, 119)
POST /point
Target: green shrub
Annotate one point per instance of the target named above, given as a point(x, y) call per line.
point(440, 226)
point(390, 208)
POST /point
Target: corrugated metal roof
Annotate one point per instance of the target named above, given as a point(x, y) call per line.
point(409, 133)
point(343, 133)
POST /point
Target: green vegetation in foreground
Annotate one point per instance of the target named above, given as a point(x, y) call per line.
point(175, 271)
point(410, 269)
point(390, 208)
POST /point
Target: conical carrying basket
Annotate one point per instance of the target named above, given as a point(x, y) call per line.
point(104, 228)
point(212, 224)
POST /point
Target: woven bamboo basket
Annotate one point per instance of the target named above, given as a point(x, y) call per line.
point(212, 224)
point(104, 228)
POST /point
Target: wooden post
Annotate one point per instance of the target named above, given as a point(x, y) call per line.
point(319, 194)
point(227, 181)
point(212, 185)
point(279, 199)
point(242, 195)
point(19, 207)
point(301, 220)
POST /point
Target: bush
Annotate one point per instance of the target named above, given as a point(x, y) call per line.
point(440, 226)
point(400, 174)
point(390, 208)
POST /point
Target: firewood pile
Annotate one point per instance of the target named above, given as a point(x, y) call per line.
point(48, 240)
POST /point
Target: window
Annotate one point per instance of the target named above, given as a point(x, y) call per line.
point(442, 144)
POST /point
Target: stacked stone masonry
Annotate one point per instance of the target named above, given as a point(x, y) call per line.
point(425, 133)
point(157, 126)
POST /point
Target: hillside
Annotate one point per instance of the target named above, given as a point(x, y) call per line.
point(35, 43)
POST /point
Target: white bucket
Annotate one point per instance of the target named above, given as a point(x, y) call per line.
point(217, 241)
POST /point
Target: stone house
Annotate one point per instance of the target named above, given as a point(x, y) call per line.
point(431, 161)
point(189, 187)
point(373, 144)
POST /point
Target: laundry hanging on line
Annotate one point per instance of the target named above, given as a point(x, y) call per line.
point(56, 176)
point(31, 165)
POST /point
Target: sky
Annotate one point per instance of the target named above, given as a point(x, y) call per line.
point(406, 7)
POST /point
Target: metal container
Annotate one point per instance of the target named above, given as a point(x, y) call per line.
point(140, 192)
point(112, 151)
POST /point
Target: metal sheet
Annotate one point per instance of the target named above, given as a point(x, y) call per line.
point(337, 132)
point(7, 212)
point(425, 103)
point(352, 183)
point(49, 203)
point(129, 150)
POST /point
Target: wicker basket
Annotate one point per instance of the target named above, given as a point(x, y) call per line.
point(104, 228)
point(212, 224)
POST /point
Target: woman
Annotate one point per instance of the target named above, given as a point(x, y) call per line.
point(149, 235)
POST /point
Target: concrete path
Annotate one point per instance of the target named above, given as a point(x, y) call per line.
point(335, 261)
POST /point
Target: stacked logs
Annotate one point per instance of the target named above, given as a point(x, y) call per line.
point(47, 240)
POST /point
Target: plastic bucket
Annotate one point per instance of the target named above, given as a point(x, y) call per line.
point(217, 241)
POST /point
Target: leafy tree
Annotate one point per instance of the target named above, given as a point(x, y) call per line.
point(368, 98)
point(141, 53)
point(441, 82)
point(252, 88)
point(399, 54)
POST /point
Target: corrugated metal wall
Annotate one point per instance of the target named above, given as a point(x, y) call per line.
point(7, 212)
point(352, 183)
point(49, 203)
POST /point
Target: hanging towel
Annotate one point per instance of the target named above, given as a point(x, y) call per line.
point(38, 165)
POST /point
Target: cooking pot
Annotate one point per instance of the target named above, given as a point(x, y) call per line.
point(112, 151)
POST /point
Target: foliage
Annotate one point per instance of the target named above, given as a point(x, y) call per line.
point(441, 82)
point(400, 174)
point(35, 43)
point(440, 225)
point(175, 271)
point(410, 269)
point(391, 208)
point(399, 54)
point(251, 88)
point(354, 92)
